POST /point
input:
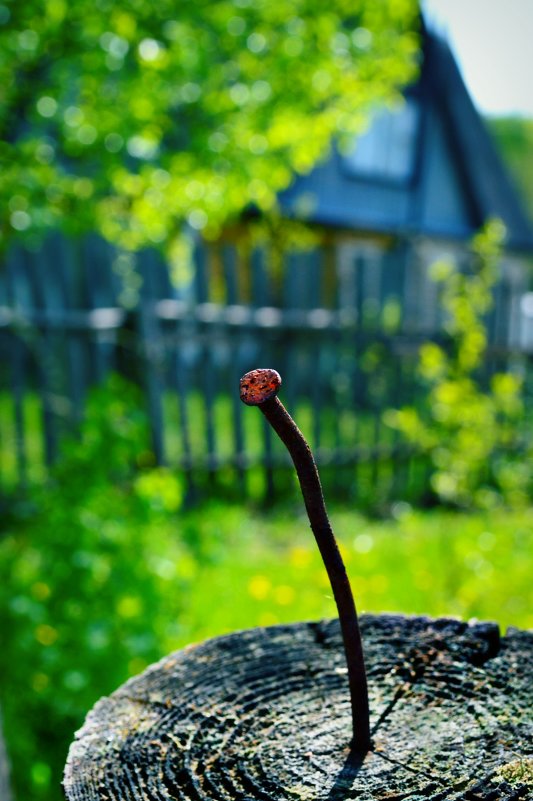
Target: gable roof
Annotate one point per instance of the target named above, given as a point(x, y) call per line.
point(440, 172)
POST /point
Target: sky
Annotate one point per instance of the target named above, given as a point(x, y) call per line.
point(493, 44)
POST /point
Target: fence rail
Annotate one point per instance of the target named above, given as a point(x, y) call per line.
point(64, 326)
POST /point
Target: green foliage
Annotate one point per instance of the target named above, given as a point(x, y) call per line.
point(514, 138)
point(468, 430)
point(91, 585)
point(134, 118)
point(519, 771)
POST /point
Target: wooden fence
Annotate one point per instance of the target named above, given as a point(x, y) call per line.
point(342, 324)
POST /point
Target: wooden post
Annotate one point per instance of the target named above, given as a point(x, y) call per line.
point(265, 714)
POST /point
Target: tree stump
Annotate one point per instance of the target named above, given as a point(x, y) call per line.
point(265, 714)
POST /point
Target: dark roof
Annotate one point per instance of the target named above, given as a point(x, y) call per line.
point(443, 176)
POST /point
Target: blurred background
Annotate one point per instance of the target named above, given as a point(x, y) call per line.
point(341, 191)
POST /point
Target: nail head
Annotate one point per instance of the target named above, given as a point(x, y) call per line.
point(258, 386)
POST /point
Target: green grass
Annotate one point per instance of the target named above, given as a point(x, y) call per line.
point(31, 444)
point(265, 569)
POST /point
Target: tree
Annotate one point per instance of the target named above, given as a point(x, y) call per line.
point(133, 118)
point(514, 138)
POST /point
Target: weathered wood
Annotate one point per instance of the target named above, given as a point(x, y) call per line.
point(265, 714)
point(153, 357)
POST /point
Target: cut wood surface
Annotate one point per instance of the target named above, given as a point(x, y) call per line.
point(264, 714)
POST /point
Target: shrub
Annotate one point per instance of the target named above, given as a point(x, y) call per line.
point(471, 432)
point(91, 576)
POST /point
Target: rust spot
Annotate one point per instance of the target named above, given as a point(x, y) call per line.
point(258, 386)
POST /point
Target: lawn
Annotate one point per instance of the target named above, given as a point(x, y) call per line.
point(95, 590)
point(265, 569)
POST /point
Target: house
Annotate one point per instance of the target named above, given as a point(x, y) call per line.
point(415, 187)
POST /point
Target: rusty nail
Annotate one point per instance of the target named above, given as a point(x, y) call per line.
point(259, 388)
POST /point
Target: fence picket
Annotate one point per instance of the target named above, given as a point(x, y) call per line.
point(18, 389)
point(239, 447)
point(179, 381)
point(28, 295)
point(76, 355)
point(208, 384)
point(152, 355)
point(228, 256)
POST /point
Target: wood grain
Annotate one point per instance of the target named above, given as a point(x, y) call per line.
point(265, 714)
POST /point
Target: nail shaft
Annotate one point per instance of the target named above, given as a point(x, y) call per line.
point(259, 388)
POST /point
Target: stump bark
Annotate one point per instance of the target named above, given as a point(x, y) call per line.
point(264, 714)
